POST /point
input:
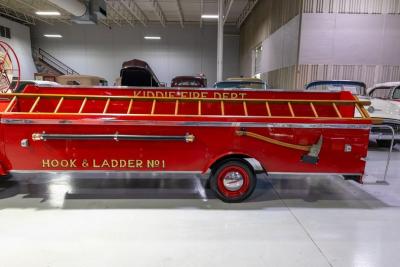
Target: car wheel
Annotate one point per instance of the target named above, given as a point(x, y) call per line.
point(233, 181)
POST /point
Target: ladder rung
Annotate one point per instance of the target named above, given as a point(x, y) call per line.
point(291, 109)
point(34, 104)
point(176, 107)
point(106, 106)
point(153, 107)
point(83, 105)
point(59, 104)
point(11, 103)
point(129, 107)
point(268, 109)
point(199, 107)
point(337, 110)
point(222, 108)
point(314, 110)
point(361, 111)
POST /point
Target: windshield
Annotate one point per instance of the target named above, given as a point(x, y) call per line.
point(247, 85)
point(353, 88)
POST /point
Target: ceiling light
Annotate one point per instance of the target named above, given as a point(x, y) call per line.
point(205, 16)
point(48, 13)
point(52, 35)
point(152, 37)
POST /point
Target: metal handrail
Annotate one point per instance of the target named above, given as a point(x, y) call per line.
point(383, 181)
point(54, 62)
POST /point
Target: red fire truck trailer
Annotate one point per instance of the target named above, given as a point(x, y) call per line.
point(103, 129)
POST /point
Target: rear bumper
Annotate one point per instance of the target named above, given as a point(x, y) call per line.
point(385, 133)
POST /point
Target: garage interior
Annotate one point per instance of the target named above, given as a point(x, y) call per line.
point(173, 219)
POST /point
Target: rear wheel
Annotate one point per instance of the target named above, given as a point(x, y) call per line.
point(233, 181)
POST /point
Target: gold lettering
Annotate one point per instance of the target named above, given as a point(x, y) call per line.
point(122, 163)
point(139, 163)
point(203, 94)
point(184, 94)
point(72, 163)
point(196, 95)
point(114, 163)
point(95, 164)
point(225, 95)
point(217, 95)
point(150, 163)
point(54, 163)
point(45, 163)
point(131, 163)
point(243, 95)
point(105, 164)
point(64, 163)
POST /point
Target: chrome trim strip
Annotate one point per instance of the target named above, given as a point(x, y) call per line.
point(311, 173)
point(187, 123)
point(188, 138)
point(63, 172)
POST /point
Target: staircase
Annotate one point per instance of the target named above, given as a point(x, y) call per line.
point(46, 63)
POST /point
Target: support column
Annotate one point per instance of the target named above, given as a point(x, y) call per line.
point(220, 40)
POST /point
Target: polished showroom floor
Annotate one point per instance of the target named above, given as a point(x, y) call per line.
point(290, 221)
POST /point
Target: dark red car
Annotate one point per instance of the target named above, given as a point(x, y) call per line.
point(189, 81)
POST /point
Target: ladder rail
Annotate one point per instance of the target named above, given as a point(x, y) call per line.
point(60, 98)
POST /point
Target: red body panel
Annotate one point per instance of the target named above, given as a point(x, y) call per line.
point(215, 136)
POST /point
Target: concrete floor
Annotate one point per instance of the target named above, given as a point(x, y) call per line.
point(290, 221)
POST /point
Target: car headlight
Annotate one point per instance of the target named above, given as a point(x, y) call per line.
point(371, 109)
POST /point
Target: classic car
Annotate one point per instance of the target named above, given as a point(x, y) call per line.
point(385, 104)
point(84, 80)
point(138, 73)
point(242, 83)
point(22, 84)
point(355, 87)
point(380, 108)
point(189, 81)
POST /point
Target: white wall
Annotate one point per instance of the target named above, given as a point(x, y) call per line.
point(100, 51)
point(350, 39)
point(280, 49)
point(21, 43)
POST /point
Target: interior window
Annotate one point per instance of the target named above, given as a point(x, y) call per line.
point(381, 92)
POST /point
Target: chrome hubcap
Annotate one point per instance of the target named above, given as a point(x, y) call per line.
point(233, 181)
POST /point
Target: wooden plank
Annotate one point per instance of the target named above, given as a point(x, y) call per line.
point(245, 108)
point(337, 110)
point(153, 107)
point(83, 105)
point(59, 104)
point(291, 109)
point(34, 104)
point(176, 107)
point(222, 108)
point(314, 110)
point(199, 108)
point(106, 106)
point(10, 104)
point(130, 107)
point(268, 109)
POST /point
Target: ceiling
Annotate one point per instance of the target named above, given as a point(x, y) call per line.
point(134, 12)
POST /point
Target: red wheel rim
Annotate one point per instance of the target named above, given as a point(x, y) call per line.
point(233, 181)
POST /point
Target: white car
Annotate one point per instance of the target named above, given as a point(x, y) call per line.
point(385, 104)
point(23, 83)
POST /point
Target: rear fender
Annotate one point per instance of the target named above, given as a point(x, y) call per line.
point(254, 163)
